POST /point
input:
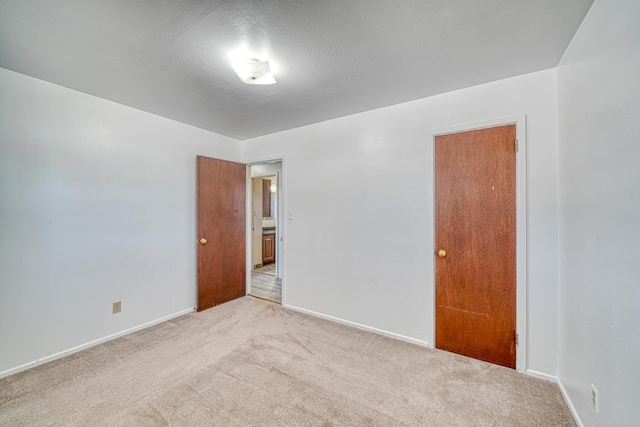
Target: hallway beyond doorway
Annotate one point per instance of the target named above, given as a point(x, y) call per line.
point(266, 285)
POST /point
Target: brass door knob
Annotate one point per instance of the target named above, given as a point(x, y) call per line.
point(203, 241)
point(442, 253)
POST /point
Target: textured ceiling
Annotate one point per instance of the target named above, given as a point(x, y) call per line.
point(331, 57)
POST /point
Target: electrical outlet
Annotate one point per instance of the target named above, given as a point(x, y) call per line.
point(594, 398)
point(117, 307)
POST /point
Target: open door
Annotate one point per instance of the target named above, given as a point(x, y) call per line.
point(476, 244)
point(221, 187)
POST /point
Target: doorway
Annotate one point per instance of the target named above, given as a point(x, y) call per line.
point(265, 236)
point(475, 243)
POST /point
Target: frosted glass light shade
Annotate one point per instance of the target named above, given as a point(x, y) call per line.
point(253, 72)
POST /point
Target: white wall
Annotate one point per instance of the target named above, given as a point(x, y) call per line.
point(360, 188)
point(599, 159)
point(97, 204)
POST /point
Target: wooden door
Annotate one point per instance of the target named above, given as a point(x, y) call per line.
point(268, 248)
point(221, 223)
point(475, 185)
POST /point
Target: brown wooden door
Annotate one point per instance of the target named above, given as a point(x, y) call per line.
point(268, 248)
point(475, 184)
point(221, 221)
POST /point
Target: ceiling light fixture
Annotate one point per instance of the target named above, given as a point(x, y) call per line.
point(253, 71)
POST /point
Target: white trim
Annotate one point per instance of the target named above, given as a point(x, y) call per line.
point(541, 375)
point(248, 193)
point(569, 403)
point(279, 224)
point(521, 223)
point(93, 343)
point(360, 326)
point(563, 391)
point(280, 229)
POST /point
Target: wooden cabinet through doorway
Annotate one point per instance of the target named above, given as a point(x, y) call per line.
point(268, 248)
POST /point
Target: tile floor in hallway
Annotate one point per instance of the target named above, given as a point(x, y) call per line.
point(265, 284)
point(269, 269)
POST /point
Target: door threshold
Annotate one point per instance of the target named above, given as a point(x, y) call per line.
point(264, 299)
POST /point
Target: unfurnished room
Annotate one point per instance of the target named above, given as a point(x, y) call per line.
point(320, 213)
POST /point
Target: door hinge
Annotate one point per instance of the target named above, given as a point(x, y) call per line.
point(515, 145)
point(517, 338)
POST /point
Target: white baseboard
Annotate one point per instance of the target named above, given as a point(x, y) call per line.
point(569, 403)
point(93, 343)
point(530, 372)
point(563, 391)
point(360, 326)
point(541, 375)
point(422, 343)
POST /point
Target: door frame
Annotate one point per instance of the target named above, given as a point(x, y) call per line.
point(280, 226)
point(521, 224)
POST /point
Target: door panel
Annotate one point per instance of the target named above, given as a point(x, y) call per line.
point(475, 177)
point(221, 221)
point(268, 249)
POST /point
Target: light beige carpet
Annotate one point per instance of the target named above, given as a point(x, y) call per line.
point(252, 363)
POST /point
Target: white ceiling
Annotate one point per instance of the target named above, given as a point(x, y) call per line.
point(331, 57)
